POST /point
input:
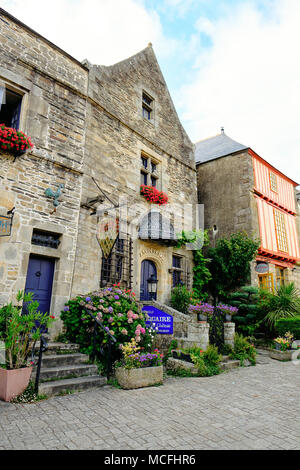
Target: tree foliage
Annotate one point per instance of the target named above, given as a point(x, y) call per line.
point(230, 263)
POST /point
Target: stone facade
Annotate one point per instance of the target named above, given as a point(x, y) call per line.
point(89, 134)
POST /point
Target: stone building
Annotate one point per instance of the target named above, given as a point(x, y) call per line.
point(98, 133)
point(242, 192)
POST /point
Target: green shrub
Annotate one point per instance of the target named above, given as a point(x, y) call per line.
point(285, 303)
point(249, 317)
point(207, 362)
point(243, 350)
point(288, 324)
point(119, 313)
point(181, 299)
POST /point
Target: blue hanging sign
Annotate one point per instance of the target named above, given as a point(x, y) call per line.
point(159, 319)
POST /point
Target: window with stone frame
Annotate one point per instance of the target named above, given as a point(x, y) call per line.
point(149, 171)
point(180, 273)
point(10, 107)
point(117, 268)
point(147, 107)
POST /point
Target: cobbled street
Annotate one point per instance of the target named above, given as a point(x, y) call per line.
point(247, 408)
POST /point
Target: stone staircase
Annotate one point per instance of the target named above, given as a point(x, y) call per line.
point(65, 370)
point(228, 364)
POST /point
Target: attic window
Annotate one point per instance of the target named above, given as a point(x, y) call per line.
point(273, 182)
point(147, 106)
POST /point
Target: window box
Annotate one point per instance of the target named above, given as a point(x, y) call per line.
point(14, 142)
point(154, 195)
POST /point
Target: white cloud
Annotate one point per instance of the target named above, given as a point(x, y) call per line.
point(248, 82)
point(103, 31)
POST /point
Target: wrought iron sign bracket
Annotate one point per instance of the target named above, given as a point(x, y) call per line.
point(6, 222)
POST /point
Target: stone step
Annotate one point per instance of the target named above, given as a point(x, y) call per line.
point(58, 360)
point(230, 364)
point(59, 348)
point(71, 385)
point(55, 373)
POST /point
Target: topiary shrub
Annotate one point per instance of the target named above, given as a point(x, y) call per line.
point(292, 325)
point(119, 313)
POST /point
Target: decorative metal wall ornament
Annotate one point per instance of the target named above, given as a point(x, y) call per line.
point(107, 233)
point(6, 222)
point(55, 196)
point(262, 268)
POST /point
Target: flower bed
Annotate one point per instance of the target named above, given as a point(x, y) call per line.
point(154, 195)
point(13, 141)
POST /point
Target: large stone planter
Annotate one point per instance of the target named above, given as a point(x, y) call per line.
point(13, 382)
point(139, 378)
point(281, 355)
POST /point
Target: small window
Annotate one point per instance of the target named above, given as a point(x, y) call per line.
point(280, 277)
point(153, 181)
point(47, 239)
point(266, 282)
point(147, 107)
point(10, 107)
point(177, 270)
point(144, 178)
point(149, 173)
point(281, 235)
point(273, 182)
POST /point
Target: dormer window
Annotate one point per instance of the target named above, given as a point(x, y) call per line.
point(147, 106)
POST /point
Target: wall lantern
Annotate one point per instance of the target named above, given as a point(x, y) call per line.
point(152, 287)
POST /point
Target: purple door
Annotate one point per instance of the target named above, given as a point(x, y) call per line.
point(148, 268)
point(40, 280)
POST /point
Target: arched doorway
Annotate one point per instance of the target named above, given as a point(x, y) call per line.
point(148, 269)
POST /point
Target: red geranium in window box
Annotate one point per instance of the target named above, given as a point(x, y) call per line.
point(13, 141)
point(154, 195)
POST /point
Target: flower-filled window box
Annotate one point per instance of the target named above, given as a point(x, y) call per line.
point(13, 141)
point(154, 195)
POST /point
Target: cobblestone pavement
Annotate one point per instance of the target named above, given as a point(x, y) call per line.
point(247, 408)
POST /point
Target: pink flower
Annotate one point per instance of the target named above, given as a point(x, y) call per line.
point(138, 339)
point(124, 332)
point(110, 320)
point(135, 316)
point(130, 320)
point(143, 331)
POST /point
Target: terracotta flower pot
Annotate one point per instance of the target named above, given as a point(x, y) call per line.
point(13, 382)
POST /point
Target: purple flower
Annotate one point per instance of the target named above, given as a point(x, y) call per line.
point(66, 309)
point(117, 297)
point(106, 328)
point(110, 309)
point(88, 299)
point(101, 301)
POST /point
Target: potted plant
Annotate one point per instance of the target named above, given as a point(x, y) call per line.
point(282, 351)
point(13, 141)
point(203, 310)
point(139, 369)
point(19, 332)
point(154, 195)
point(228, 311)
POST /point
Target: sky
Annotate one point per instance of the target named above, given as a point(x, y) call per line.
point(230, 63)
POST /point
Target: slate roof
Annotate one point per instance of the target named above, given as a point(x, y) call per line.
point(216, 147)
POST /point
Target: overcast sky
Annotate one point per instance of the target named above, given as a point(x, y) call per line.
point(231, 63)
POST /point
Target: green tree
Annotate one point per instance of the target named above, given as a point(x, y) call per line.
point(196, 240)
point(230, 263)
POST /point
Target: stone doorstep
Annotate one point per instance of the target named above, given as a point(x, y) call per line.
point(69, 385)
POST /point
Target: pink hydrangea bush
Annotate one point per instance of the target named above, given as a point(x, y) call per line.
point(118, 311)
